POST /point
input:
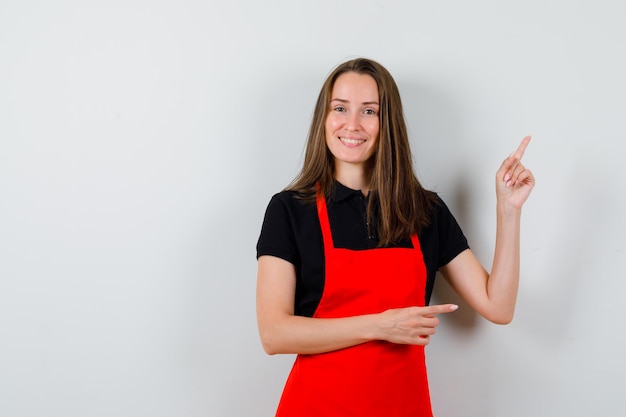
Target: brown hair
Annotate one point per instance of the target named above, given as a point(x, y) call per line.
point(402, 204)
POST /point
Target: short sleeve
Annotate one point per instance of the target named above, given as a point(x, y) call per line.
point(277, 235)
point(452, 241)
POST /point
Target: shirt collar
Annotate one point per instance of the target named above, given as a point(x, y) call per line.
point(342, 192)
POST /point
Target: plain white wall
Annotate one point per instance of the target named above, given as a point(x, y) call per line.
point(140, 142)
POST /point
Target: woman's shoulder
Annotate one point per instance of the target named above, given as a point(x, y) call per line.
point(291, 198)
point(291, 204)
point(440, 212)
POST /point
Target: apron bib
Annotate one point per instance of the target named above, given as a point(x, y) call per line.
point(373, 379)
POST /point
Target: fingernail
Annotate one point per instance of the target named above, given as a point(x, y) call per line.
point(453, 307)
point(507, 177)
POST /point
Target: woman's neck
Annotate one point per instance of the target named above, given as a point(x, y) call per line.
point(353, 176)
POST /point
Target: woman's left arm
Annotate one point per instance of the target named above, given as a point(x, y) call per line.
point(494, 295)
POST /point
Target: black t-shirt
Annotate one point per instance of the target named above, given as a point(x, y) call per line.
point(291, 230)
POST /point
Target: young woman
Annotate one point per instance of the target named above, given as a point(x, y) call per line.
point(348, 254)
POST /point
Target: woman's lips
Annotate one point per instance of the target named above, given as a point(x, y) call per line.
point(351, 141)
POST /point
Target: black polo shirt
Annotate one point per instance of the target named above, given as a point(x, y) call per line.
point(291, 230)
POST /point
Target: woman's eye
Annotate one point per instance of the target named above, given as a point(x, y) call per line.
point(339, 108)
point(370, 112)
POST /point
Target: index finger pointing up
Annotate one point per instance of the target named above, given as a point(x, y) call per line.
point(522, 147)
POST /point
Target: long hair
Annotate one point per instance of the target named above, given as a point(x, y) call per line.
point(401, 204)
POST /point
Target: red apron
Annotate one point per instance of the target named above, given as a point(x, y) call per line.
point(377, 378)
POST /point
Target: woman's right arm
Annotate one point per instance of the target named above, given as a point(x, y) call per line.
point(283, 332)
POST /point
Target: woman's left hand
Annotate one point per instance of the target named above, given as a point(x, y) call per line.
point(513, 181)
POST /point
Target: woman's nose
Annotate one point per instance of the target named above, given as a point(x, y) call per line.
point(353, 122)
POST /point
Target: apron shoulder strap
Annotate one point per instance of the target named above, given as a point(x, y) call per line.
point(322, 213)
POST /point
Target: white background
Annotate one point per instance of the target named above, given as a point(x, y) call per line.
point(140, 142)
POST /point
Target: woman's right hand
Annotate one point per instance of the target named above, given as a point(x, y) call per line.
point(283, 332)
point(411, 325)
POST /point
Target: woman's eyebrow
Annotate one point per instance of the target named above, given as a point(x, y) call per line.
point(341, 100)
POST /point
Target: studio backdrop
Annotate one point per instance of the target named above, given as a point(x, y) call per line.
point(140, 142)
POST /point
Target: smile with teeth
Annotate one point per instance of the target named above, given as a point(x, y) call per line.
point(351, 141)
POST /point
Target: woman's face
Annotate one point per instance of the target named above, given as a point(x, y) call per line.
point(352, 124)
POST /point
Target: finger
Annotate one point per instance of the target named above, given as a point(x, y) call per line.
point(513, 175)
point(508, 168)
point(440, 309)
point(422, 341)
point(427, 332)
point(524, 177)
point(429, 321)
point(521, 148)
point(512, 163)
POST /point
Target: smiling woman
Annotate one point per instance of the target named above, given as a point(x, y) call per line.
point(348, 255)
point(352, 125)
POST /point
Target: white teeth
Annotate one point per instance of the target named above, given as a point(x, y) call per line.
point(351, 141)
